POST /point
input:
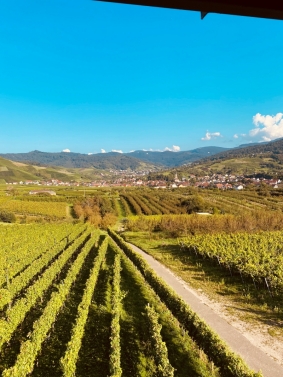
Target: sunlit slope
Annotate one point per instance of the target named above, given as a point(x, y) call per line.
point(11, 171)
point(266, 158)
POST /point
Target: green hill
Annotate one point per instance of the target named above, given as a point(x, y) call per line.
point(11, 171)
point(261, 158)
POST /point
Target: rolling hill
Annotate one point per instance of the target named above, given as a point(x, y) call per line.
point(12, 171)
point(256, 159)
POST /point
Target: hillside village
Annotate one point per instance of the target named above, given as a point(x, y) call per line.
point(221, 182)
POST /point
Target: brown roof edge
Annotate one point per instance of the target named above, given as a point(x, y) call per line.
point(264, 9)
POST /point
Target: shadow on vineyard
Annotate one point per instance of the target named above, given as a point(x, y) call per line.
point(135, 357)
point(94, 352)
point(11, 349)
point(55, 344)
point(231, 283)
point(44, 268)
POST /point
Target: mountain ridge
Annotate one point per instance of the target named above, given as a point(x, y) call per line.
point(136, 160)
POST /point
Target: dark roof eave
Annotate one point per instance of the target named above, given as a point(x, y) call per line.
point(267, 9)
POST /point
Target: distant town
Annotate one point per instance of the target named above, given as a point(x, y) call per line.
point(134, 179)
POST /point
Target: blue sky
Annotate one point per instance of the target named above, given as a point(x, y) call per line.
point(85, 76)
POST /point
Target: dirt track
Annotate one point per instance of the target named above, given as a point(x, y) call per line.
point(255, 358)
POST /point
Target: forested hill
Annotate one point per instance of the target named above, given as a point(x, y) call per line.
point(272, 149)
point(137, 160)
point(171, 159)
point(117, 161)
point(262, 159)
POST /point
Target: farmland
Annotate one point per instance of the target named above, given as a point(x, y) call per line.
point(76, 300)
point(76, 289)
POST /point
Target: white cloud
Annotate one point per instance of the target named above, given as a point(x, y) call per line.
point(236, 136)
point(102, 150)
point(267, 127)
point(66, 150)
point(175, 148)
point(211, 135)
point(117, 151)
point(89, 154)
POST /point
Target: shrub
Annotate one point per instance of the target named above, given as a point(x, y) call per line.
point(7, 217)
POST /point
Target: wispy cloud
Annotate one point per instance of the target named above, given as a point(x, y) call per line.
point(175, 148)
point(66, 150)
point(211, 135)
point(117, 151)
point(267, 127)
point(151, 150)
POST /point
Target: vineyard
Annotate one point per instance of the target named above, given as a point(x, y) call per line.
point(54, 211)
point(123, 203)
point(78, 302)
point(256, 256)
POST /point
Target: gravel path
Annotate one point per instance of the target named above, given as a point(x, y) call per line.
point(255, 358)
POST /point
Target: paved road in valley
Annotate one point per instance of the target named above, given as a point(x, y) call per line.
point(255, 358)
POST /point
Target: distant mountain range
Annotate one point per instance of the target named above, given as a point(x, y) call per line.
point(245, 159)
point(137, 160)
point(69, 160)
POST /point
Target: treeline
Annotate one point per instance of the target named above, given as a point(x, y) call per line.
point(169, 177)
point(97, 210)
point(184, 225)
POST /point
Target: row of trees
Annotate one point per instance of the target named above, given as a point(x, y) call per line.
point(184, 225)
point(97, 210)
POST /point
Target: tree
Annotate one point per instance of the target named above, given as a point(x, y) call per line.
point(194, 204)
